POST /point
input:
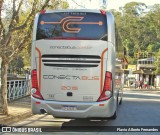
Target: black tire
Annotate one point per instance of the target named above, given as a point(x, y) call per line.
point(120, 102)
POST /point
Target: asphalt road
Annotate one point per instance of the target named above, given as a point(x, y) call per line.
point(139, 108)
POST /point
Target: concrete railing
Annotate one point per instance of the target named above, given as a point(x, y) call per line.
point(17, 89)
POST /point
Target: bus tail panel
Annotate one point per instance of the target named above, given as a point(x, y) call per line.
point(71, 70)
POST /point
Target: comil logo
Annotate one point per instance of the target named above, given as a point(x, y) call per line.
point(67, 22)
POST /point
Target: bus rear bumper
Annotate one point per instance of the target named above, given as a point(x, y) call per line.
point(74, 109)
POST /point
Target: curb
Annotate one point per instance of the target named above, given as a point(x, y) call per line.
point(143, 89)
point(155, 89)
point(15, 118)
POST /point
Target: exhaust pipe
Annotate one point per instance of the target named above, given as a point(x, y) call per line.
point(43, 111)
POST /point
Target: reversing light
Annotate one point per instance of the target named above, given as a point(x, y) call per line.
point(35, 89)
point(36, 94)
point(107, 88)
point(108, 93)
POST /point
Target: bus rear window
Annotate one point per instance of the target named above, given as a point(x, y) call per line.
point(72, 25)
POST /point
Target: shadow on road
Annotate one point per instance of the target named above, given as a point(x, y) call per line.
point(137, 109)
point(84, 125)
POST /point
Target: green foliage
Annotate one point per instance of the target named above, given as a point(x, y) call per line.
point(154, 47)
point(17, 63)
point(131, 60)
point(53, 5)
point(139, 30)
point(157, 62)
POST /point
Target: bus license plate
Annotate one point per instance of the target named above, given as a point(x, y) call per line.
point(69, 108)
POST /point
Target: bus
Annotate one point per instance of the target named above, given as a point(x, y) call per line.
point(76, 65)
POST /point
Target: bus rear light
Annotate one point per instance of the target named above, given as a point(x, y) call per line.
point(38, 103)
point(107, 89)
point(43, 12)
point(36, 93)
point(108, 80)
point(103, 12)
point(35, 90)
point(105, 96)
point(34, 79)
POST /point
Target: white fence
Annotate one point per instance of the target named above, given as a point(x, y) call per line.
point(17, 89)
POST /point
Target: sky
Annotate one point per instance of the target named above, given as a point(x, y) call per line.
point(115, 4)
point(111, 4)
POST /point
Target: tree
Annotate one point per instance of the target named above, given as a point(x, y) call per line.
point(26, 52)
point(157, 62)
point(15, 33)
point(17, 62)
point(138, 26)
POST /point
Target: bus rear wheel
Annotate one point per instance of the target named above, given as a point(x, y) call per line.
point(120, 102)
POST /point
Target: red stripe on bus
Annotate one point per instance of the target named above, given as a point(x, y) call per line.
point(40, 62)
point(101, 75)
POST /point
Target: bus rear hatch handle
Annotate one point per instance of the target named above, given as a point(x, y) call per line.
point(69, 94)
